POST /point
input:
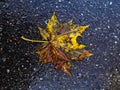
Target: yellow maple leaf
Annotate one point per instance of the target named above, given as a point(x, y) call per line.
point(60, 44)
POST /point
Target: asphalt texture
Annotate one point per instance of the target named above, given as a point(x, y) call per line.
point(19, 65)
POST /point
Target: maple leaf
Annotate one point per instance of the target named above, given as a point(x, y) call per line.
point(59, 44)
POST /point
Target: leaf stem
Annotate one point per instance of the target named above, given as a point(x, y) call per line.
point(26, 39)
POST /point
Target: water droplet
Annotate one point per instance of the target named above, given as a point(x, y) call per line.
point(110, 3)
point(116, 42)
point(8, 70)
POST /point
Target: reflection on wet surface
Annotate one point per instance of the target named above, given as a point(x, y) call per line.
point(19, 66)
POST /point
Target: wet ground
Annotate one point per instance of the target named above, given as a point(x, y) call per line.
point(19, 66)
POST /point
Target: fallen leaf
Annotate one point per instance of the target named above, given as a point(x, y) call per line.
point(59, 44)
